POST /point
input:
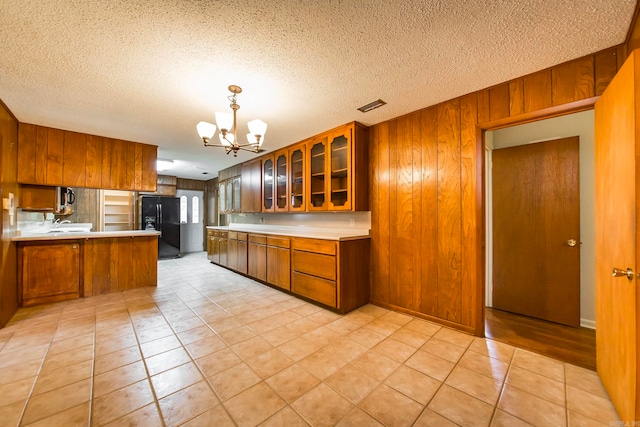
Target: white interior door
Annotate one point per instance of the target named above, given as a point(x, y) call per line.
point(192, 221)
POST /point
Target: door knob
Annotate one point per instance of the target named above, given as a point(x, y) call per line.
point(628, 273)
point(572, 242)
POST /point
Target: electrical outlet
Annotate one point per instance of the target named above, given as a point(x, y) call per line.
point(352, 222)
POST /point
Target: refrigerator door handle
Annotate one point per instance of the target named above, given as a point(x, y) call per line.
point(161, 219)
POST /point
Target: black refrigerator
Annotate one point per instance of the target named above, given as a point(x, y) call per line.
point(163, 214)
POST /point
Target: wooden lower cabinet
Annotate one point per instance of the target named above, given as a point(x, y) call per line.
point(335, 273)
point(118, 264)
point(49, 272)
point(228, 249)
point(57, 270)
point(279, 262)
point(241, 253)
point(257, 257)
point(213, 246)
point(222, 249)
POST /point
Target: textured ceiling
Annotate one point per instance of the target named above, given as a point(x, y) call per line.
point(148, 71)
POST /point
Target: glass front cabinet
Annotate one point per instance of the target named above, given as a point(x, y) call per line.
point(332, 159)
point(281, 181)
point(297, 200)
point(317, 186)
point(267, 184)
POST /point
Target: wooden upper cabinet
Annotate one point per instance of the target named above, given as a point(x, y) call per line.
point(251, 192)
point(74, 159)
point(148, 167)
point(267, 184)
point(297, 173)
point(48, 156)
point(338, 175)
point(93, 162)
point(317, 174)
point(281, 172)
point(340, 170)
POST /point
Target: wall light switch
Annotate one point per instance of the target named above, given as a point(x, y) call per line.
point(352, 222)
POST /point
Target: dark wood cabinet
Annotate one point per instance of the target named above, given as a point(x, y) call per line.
point(279, 262)
point(49, 272)
point(237, 251)
point(267, 184)
point(257, 256)
point(48, 156)
point(338, 169)
point(317, 175)
point(74, 159)
point(116, 264)
point(38, 198)
point(335, 273)
point(213, 247)
point(222, 248)
point(297, 174)
point(251, 186)
point(281, 184)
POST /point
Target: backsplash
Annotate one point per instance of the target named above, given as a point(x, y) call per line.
point(361, 220)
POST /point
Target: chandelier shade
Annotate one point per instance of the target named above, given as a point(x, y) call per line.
point(227, 124)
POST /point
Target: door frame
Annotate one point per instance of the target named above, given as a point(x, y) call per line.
point(481, 129)
point(583, 128)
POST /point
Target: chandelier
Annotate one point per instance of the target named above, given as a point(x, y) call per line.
point(227, 124)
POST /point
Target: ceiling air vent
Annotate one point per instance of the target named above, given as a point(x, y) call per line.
point(372, 105)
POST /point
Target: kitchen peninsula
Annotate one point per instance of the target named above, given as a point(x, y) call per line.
point(61, 266)
point(325, 265)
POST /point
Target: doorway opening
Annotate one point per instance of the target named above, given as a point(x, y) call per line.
point(575, 344)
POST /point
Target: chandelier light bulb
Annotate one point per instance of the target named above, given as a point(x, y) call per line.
point(226, 123)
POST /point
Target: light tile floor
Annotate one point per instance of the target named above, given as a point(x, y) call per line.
point(208, 347)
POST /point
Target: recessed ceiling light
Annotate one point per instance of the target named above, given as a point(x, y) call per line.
point(164, 164)
point(372, 105)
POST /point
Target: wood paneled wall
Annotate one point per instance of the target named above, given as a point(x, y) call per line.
point(8, 184)
point(426, 188)
point(633, 35)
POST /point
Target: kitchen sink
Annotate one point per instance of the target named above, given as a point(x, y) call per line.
point(79, 227)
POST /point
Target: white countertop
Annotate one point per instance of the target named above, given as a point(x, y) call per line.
point(299, 231)
point(27, 237)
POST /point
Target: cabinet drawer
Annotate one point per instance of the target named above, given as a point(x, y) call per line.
point(257, 238)
point(233, 235)
point(315, 264)
point(279, 242)
point(242, 236)
point(317, 289)
point(211, 233)
point(222, 234)
point(314, 245)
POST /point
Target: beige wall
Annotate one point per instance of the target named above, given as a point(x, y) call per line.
point(580, 124)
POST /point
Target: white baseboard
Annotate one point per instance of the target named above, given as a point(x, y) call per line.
point(586, 323)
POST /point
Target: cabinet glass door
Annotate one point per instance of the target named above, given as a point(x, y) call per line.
point(222, 200)
point(267, 188)
point(228, 196)
point(296, 182)
point(318, 179)
point(340, 179)
point(237, 195)
point(281, 182)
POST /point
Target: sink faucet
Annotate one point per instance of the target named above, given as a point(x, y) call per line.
point(56, 223)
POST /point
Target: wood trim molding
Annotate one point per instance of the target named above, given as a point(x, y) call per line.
point(434, 319)
point(545, 113)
